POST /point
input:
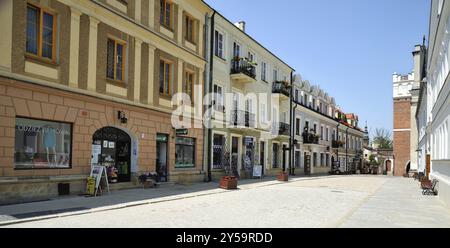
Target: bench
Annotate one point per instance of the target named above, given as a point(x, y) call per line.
point(428, 187)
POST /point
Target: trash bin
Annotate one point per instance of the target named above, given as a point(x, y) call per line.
point(63, 189)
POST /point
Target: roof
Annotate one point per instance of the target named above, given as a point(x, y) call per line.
point(232, 24)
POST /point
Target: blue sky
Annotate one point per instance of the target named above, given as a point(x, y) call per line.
point(350, 48)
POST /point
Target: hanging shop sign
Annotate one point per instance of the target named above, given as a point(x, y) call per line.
point(181, 131)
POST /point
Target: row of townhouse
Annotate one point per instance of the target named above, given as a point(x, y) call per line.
point(95, 82)
point(331, 140)
point(432, 116)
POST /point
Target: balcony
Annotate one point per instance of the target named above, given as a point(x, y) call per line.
point(336, 144)
point(283, 89)
point(283, 129)
point(242, 119)
point(243, 71)
point(310, 138)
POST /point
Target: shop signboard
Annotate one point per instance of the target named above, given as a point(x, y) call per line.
point(257, 171)
point(182, 131)
point(96, 152)
point(97, 173)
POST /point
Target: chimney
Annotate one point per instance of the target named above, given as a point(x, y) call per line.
point(240, 25)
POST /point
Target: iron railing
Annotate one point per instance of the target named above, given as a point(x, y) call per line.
point(243, 66)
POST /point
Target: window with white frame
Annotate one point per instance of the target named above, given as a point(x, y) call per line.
point(218, 98)
point(263, 71)
point(219, 44)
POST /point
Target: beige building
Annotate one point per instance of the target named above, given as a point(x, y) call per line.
point(85, 82)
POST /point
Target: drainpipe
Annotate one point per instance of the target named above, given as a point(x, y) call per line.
point(209, 89)
point(292, 134)
point(337, 149)
point(346, 149)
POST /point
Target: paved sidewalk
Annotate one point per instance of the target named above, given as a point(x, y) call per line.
point(399, 204)
point(76, 205)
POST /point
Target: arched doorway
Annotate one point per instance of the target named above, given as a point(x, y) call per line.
point(115, 153)
point(388, 166)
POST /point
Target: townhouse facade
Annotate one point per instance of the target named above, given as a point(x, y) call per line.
point(433, 111)
point(327, 139)
point(90, 82)
point(251, 113)
point(96, 82)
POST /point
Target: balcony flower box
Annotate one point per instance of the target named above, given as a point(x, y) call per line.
point(228, 183)
point(283, 177)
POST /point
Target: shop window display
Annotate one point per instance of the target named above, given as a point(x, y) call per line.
point(41, 144)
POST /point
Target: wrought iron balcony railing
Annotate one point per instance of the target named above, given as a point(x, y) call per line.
point(240, 65)
point(310, 138)
point(281, 88)
point(241, 118)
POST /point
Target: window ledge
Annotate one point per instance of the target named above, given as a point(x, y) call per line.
point(40, 60)
point(118, 83)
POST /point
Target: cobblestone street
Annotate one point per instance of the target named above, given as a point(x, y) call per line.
point(346, 201)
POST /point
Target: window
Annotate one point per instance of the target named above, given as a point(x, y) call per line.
point(322, 162)
point(165, 77)
point(275, 152)
point(218, 98)
point(115, 60)
point(251, 57)
point(189, 85)
point(218, 44)
point(296, 95)
point(42, 144)
point(184, 152)
point(315, 128)
point(326, 135)
point(327, 161)
point(236, 50)
point(263, 71)
point(275, 75)
point(190, 29)
point(166, 13)
point(321, 133)
point(297, 127)
point(263, 113)
point(41, 37)
point(218, 151)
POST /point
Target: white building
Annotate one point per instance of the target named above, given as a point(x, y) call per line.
point(326, 135)
point(434, 118)
point(251, 88)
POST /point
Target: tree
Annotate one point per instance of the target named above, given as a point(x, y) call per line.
point(382, 138)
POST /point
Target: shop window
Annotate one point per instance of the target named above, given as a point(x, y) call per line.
point(41, 29)
point(115, 60)
point(42, 144)
point(185, 153)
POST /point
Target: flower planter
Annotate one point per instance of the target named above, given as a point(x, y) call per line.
point(228, 183)
point(283, 177)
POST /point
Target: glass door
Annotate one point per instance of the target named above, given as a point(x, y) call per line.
point(161, 157)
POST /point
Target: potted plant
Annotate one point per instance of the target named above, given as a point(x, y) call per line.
point(283, 177)
point(228, 182)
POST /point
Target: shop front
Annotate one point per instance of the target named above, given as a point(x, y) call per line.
point(115, 153)
point(51, 137)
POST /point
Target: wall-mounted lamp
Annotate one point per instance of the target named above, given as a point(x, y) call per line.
point(121, 116)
